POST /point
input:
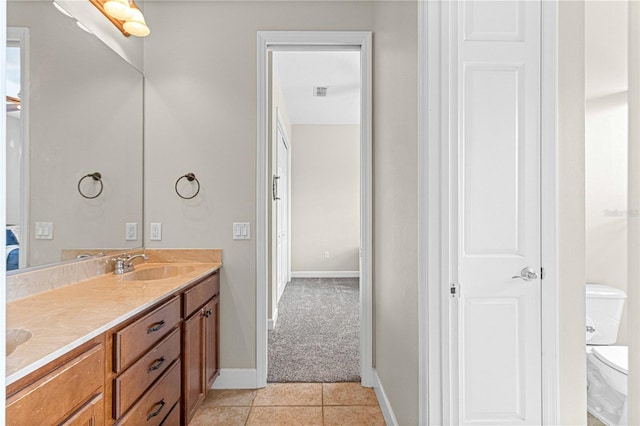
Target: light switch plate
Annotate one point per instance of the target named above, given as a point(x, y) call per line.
point(156, 232)
point(131, 232)
point(241, 231)
point(44, 231)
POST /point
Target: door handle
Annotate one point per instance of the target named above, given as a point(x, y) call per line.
point(527, 274)
point(274, 188)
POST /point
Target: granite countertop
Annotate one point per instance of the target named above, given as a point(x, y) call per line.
point(64, 318)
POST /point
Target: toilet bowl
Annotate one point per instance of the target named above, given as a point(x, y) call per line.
point(607, 363)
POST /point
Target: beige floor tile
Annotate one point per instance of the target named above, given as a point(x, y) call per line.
point(285, 416)
point(353, 416)
point(229, 398)
point(220, 416)
point(348, 394)
point(289, 394)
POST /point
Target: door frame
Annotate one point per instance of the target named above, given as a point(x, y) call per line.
point(433, 215)
point(20, 36)
point(316, 40)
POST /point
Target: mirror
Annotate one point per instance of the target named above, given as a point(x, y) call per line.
point(75, 109)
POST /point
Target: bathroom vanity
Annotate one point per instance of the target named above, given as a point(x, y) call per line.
point(139, 348)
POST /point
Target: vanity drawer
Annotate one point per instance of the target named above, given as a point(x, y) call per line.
point(137, 378)
point(51, 398)
point(139, 336)
point(173, 418)
point(156, 403)
point(199, 294)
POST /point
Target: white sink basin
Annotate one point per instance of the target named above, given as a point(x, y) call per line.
point(16, 337)
point(158, 273)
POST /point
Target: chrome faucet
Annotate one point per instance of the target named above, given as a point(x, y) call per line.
point(125, 264)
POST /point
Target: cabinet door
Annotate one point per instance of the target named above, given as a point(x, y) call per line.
point(194, 361)
point(212, 314)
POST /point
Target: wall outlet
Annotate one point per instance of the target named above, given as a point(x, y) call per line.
point(241, 231)
point(131, 232)
point(44, 231)
point(156, 232)
point(326, 255)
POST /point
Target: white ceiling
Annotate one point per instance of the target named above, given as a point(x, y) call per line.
point(299, 72)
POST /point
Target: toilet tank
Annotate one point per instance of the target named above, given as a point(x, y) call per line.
point(604, 309)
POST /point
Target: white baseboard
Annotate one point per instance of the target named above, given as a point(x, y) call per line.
point(385, 405)
point(236, 378)
point(325, 274)
point(271, 322)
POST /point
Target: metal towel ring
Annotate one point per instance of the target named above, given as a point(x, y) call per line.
point(190, 177)
point(97, 176)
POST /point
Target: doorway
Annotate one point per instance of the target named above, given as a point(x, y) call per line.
point(17, 116)
point(269, 42)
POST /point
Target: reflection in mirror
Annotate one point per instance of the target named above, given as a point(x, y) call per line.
point(75, 109)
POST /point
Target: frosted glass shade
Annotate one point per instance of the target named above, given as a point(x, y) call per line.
point(118, 9)
point(136, 25)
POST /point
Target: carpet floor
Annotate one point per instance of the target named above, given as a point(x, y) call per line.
point(317, 334)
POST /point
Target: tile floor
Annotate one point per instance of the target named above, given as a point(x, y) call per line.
point(297, 404)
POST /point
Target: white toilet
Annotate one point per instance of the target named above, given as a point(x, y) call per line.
point(607, 364)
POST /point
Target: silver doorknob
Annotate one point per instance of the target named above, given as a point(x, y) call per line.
point(527, 274)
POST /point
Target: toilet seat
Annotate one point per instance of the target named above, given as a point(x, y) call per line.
point(616, 357)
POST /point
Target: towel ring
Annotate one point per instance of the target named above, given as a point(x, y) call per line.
point(96, 176)
point(190, 177)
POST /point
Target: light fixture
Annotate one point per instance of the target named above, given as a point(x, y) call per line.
point(62, 9)
point(131, 23)
point(118, 9)
point(136, 25)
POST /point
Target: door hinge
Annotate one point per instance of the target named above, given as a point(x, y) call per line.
point(453, 290)
point(543, 273)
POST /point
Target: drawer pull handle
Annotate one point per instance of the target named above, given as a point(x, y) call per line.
point(157, 365)
point(156, 327)
point(208, 313)
point(155, 413)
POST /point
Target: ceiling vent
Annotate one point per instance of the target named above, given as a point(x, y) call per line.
point(320, 91)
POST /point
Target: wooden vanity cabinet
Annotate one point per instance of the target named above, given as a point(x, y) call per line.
point(67, 391)
point(143, 375)
point(200, 342)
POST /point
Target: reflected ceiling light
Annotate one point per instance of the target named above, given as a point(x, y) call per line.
point(136, 25)
point(61, 9)
point(118, 9)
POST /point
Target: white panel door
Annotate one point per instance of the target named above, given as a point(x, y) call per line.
point(496, 219)
point(282, 212)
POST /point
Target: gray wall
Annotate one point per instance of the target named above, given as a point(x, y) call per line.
point(325, 197)
point(201, 117)
point(396, 204)
point(572, 400)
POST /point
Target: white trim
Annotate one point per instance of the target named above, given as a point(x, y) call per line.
point(433, 218)
point(21, 35)
point(423, 233)
point(385, 405)
point(3, 194)
point(325, 274)
point(433, 227)
point(236, 378)
point(271, 322)
point(315, 40)
point(549, 220)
